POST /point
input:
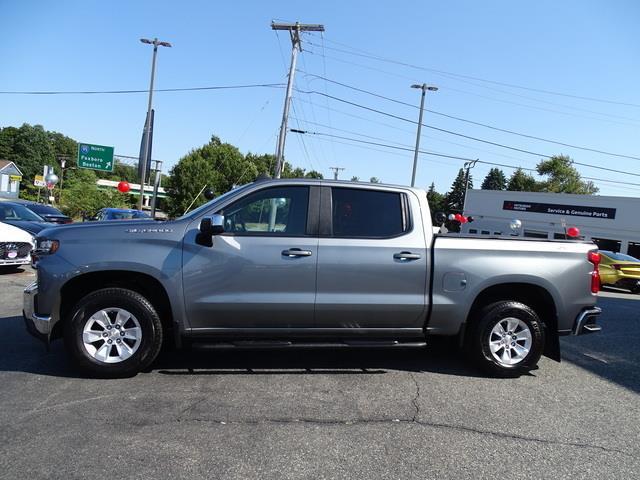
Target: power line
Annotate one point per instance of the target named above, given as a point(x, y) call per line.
point(398, 154)
point(109, 92)
point(446, 88)
point(443, 155)
point(494, 82)
point(492, 127)
point(430, 137)
point(522, 150)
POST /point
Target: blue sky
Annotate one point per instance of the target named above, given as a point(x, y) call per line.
point(580, 48)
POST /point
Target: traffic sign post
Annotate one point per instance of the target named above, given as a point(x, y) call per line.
point(95, 157)
point(38, 181)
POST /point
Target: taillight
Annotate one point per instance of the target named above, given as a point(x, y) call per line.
point(594, 257)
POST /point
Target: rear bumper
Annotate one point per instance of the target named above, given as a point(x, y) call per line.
point(586, 321)
point(38, 325)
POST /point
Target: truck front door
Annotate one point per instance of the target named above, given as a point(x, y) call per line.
point(261, 272)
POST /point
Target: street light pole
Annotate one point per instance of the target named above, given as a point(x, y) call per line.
point(424, 87)
point(146, 154)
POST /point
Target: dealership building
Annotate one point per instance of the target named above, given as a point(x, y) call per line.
point(613, 223)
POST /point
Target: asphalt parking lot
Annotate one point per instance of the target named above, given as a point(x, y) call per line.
point(323, 414)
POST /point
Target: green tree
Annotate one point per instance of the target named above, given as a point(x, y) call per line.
point(522, 182)
point(314, 174)
point(265, 163)
point(562, 177)
point(436, 201)
point(355, 179)
point(81, 195)
point(31, 147)
point(454, 199)
point(495, 180)
point(220, 166)
point(374, 180)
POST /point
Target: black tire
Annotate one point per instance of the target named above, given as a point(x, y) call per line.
point(109, 298)
point(478, 345)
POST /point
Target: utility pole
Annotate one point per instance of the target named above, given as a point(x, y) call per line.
point(424, 87)
point(146, 154)
point(294, 30)
point(467, 166)
point(156, 185)
point(336, 170)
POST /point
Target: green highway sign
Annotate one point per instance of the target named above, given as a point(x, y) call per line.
point(96, 157)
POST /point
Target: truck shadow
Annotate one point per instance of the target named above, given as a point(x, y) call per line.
point(441, 357)
point(612, 355)
point(19, 352)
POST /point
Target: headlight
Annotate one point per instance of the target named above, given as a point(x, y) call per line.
point(44, 246)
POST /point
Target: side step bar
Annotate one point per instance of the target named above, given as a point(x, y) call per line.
point(286, 344)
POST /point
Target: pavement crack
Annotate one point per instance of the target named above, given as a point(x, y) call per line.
point(378, 421)
point(416, 397)
point(190, 407)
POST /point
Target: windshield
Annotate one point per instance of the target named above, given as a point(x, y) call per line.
point(197, 211)
point(127, 215)
point(14, 211)
point(619, 256)
point(44, 209)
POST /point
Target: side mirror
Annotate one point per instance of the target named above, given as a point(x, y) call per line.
point(217, 224)
point(210, 226)
point(440, 217)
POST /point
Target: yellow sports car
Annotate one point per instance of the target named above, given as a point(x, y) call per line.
point(620, 271)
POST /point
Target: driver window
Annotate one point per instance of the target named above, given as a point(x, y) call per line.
point(273, 211)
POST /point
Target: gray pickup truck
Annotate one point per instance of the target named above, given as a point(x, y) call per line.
point(301, 263)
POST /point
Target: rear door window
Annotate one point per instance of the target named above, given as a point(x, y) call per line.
point(361, 213)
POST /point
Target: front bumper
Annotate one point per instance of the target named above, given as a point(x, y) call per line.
point(586, 321)
point(38, 325)
point(15, 262)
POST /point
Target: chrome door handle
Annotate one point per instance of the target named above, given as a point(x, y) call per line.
point(296, 252)
point(406, 256)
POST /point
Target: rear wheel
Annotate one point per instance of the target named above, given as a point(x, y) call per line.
point(113, 332)
point(507, 339)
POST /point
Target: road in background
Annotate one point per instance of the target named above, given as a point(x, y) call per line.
point(323, 414)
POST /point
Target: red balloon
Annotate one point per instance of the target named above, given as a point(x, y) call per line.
point(458, 217)
point(124, 187)
point(463, 219)
point(573, 232)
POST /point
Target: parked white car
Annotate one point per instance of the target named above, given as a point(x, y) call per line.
point(15, 246)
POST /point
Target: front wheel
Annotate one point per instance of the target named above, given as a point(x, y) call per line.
point(113, 332)
point(507, 339)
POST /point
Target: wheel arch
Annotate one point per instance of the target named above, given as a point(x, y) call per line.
point(142, 283)
point(534, 296)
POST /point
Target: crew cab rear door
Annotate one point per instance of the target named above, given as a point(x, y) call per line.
point(372, 259)
point(261, 272)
